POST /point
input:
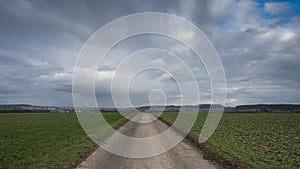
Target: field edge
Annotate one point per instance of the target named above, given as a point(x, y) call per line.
point(116, 125)
point(212, 153)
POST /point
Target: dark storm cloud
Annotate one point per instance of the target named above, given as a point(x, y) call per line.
point(258, 44)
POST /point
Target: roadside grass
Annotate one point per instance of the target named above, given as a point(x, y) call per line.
point(45, 140)
point(259, 140)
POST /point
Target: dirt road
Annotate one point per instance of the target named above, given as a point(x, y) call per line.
point(182, 156)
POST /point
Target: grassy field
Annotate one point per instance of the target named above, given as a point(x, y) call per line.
point(261, 140)
point(48, 140)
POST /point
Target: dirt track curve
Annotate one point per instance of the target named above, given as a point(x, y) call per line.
point(182, 156)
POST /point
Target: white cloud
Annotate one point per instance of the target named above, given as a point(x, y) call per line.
point(57, 77)
point(185, 34)
point(40, 63)
point(187, 8)
point(220, 8)
point(276, 8)
point(40, 41)
point(287, 35)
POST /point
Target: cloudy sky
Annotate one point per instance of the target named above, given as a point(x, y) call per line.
point(257, 41)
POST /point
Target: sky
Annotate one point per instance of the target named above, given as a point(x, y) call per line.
point(257, 41)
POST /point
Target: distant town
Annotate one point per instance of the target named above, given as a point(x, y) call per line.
point(21, 108)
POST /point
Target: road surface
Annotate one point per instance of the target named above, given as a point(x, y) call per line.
point(182, 156)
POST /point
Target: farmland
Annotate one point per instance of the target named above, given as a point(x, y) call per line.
point(56, 140)
point(45, 140)
point(260, 140)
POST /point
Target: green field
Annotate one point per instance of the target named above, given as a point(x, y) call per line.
point(48, 140)
point(53, 140)
point(261, 140)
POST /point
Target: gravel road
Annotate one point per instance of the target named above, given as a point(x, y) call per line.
point(182, 156)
